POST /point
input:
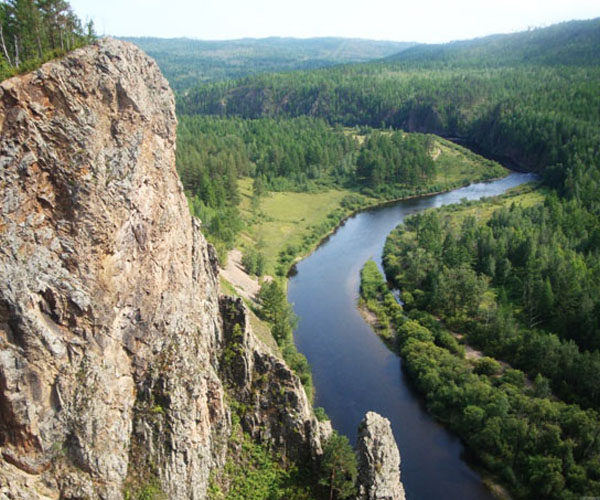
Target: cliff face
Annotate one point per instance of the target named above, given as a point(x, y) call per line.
point(113, 337)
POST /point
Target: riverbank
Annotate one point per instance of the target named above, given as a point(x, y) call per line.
point(381, 204)
point(386, 318)
point(354, 371)
point(458, 269)
point(288, 226)
point(291, 226)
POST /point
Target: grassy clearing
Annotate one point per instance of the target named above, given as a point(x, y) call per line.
point(457, 165)
point(286, 218)
point(297, 221)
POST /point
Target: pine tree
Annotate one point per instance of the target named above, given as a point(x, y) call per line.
point(338, 467)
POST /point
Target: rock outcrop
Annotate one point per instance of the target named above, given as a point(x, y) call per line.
point(378, 460)
point(276, 408)
point(118, 358)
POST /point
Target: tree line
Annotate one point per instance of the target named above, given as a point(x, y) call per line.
point(302, 154)
point(543, 117)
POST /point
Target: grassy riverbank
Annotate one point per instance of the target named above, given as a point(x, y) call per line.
point(287, 226)
point(286, 220)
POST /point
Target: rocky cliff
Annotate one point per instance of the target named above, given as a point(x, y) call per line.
point(118, 359)
point(378, 460)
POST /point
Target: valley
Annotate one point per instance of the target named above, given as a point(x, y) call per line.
point(280, 273)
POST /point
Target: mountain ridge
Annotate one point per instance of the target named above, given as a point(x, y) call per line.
point(187, 61)
point(569, 43)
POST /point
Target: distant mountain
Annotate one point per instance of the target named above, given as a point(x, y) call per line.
point(568, 43)
point(186, 62)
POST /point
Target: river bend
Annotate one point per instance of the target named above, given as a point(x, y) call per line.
point(352, 369)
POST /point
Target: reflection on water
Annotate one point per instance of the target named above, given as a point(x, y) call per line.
point(354, 372)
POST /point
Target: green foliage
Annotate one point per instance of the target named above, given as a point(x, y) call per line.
point(283, 155)
point(534, 269)
point(487, 366)
point(254, 262)
point(320, 414)
point(506, 425)
point(35, 31)
point(221, 225)
point(372, 285)
point(411, 329)
point(253, 472)
point(300, 154)
point(377, 298)
point(338, 469)
point(395, 158)
point(151, 490)
point(234, 348)
point(275, 309)
point(353, 202)
point(481, 275)
point(459, 291)
point(540, 116)
point(273, 304)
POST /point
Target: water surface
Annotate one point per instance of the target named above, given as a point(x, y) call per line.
point(352, 369)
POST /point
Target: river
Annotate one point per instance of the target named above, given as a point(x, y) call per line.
point(354, 372)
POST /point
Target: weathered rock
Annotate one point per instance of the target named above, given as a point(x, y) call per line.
point(276, 408)
point(378, 460)
point(111, 334)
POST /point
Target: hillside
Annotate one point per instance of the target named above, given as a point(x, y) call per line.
point(187, 62)
point(538, 115)
point(573, 43)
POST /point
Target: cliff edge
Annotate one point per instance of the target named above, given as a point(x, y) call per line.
point(113, 336)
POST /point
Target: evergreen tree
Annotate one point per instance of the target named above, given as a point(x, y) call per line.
point(32, 31)
point(338, 467)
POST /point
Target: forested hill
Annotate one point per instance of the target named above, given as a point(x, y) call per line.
point(541, 116)
point(186, 62)
point(570, 43)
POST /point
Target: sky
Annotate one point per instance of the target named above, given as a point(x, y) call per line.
point(426, 21)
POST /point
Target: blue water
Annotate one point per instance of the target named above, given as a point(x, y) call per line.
point(352, 369)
